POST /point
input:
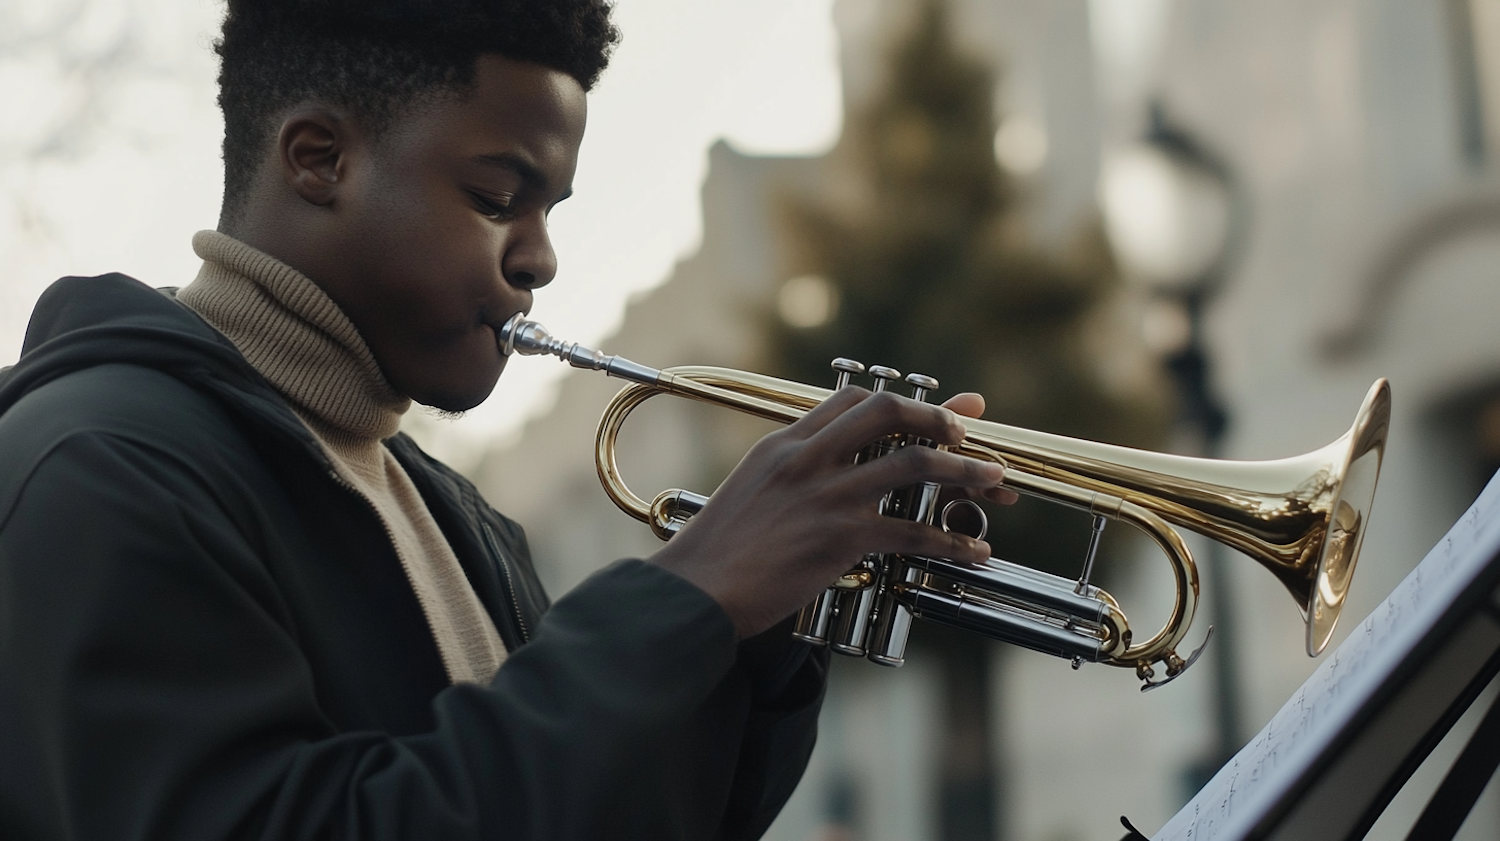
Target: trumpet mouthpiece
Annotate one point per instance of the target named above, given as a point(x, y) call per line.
point(528, 338)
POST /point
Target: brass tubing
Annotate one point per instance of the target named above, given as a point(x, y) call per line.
point(677, 382)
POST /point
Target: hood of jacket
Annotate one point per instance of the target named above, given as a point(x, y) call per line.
point(83, 322)
point(80, 322)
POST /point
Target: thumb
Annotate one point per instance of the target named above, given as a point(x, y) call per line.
point(968, 404)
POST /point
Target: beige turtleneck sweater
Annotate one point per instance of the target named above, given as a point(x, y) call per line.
point(311, 352)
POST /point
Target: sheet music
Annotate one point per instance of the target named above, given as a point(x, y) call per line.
point(1251, 783)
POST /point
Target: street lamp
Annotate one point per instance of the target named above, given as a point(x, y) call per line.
point(1167, 208)
point(1174, 220)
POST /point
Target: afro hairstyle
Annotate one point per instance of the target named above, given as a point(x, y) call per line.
point(375, 57)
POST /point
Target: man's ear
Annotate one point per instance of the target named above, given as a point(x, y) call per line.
point(312, 146)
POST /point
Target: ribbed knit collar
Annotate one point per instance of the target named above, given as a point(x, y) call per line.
point(297, 337)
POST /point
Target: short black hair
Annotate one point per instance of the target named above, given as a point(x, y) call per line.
point(375, 57)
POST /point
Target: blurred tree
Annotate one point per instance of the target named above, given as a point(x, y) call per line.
point(931, 271)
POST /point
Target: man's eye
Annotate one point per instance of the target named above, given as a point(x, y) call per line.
point(492, 207)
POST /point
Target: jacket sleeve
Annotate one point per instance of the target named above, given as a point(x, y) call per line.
point(787, 682)
point(154, 688)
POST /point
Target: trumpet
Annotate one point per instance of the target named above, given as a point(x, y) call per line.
point(1302, 518)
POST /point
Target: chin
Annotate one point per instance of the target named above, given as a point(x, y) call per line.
point(455, 402)
point(457, 398)
point(467, 383)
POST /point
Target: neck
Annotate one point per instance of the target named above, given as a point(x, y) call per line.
point(296, 336)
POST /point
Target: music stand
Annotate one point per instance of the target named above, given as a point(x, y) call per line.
point(1334, 756)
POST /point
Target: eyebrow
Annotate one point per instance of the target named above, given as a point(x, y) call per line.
point(522, 167)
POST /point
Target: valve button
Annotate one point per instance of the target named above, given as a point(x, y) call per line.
point(883, 376)
point(921, 386)
point(845, 368)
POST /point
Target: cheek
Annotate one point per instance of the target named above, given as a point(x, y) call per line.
point(411, 229)
point(437, 265)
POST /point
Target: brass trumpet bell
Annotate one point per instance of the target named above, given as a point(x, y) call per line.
point(1302, 518)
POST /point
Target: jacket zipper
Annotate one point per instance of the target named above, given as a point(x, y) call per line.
point(510, 583)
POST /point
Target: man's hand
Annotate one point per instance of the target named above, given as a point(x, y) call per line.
point(797, 512)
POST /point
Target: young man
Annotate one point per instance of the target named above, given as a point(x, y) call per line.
point(235, 602)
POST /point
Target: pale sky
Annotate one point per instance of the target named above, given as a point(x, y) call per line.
point(109, 151)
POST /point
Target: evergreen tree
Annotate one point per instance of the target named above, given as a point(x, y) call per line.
point(933, 273)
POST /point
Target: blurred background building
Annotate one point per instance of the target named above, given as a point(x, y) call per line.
point(1200, 225)
point(1298, 197)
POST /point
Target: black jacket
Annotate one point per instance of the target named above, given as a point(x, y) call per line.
point(204, 634)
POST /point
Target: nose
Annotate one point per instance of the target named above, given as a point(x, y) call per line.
point(529, 261)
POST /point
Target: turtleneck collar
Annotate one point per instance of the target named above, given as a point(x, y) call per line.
point(297, 337)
